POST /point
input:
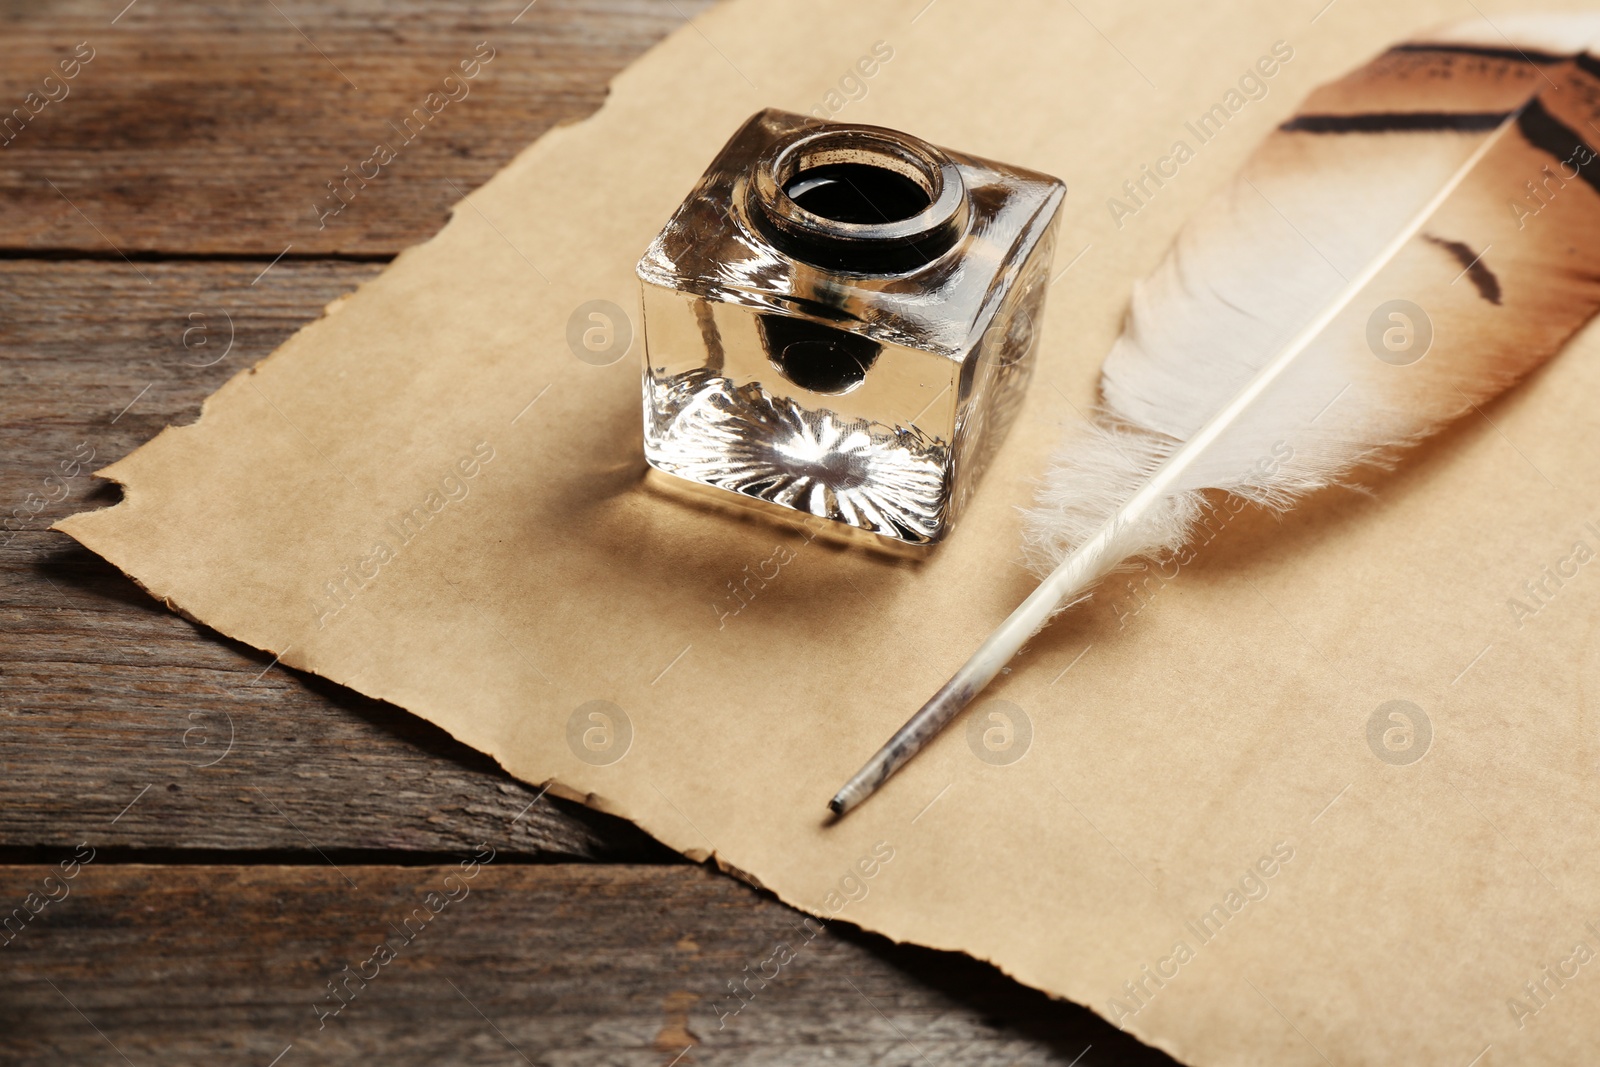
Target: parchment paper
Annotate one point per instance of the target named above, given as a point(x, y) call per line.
point(1213, 760)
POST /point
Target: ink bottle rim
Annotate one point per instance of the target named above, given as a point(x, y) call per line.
point(888, 246)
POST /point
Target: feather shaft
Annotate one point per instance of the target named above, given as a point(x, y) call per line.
point(1103, 551)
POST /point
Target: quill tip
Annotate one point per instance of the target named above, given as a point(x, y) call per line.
point(854, 792)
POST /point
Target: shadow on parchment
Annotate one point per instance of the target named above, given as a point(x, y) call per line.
point(609, 509)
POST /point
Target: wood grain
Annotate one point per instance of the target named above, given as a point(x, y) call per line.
point(105, 696)
point(558, 965)
point(215, 128)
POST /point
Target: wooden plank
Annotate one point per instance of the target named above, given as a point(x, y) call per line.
point(216, 127)
point(555, 964)
point(105, 696)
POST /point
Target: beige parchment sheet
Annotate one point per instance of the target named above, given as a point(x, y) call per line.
point(1215, 725)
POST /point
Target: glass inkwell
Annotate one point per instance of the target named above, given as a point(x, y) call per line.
point(840, 320)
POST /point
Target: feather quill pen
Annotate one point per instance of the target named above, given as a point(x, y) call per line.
point(1420, 235)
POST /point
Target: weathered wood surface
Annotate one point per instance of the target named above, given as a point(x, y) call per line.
point(211, 127)
point(137, 215)
point(548, 965)
point(105, 696)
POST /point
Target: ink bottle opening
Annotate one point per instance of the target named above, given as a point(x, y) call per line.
point(859, 199)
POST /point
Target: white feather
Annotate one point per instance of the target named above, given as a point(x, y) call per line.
point(1253, 360)
point(1241, 278)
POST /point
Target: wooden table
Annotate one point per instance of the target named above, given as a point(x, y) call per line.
point(241, 838)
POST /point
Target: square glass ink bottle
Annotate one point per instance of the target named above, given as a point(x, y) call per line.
point(840, 320)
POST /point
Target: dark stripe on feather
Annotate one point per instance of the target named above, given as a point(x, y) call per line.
point(1472, 265)
point(1549, 134)
point(1388, 121)
point(1486, 51)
